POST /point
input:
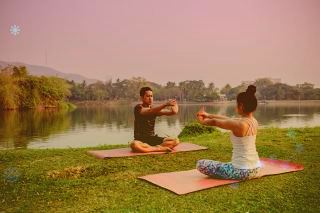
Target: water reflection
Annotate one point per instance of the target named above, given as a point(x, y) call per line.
point(18, 128)
point(114, 125)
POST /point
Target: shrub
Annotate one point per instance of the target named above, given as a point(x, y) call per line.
point(194, 129)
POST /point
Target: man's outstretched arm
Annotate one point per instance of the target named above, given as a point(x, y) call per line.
point(158, 109)
point(173, 111)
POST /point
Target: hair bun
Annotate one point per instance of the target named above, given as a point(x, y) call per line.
point(251, 90)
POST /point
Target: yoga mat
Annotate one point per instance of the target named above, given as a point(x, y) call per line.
point(126, 152)
point(184, 182)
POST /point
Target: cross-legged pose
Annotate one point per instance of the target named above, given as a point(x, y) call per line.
point(245, 162)
point(145, 115)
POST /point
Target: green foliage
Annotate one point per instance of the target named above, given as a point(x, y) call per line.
point(197, 91)
point(20, 72)
point(268, 90)
point(190, 90)
point(225, 89)
point(194, 129)
point(23, 91)
point(128, 89)
point(233, 92)
point(9, 92)
point(19, 90)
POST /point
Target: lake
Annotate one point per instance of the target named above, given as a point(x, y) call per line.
point(94, 126)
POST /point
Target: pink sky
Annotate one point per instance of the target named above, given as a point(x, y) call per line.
point(216, 41)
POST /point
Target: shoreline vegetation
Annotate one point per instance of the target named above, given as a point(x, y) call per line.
point(20, 90)
point(60, 180)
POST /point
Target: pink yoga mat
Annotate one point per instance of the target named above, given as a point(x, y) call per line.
point(126, 152)
point(184, 182)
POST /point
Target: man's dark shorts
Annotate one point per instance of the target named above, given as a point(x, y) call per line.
point(151, 140)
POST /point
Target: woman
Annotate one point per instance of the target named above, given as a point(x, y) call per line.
point(245, 162)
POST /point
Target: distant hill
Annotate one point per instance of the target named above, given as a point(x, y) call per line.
point(47, 71)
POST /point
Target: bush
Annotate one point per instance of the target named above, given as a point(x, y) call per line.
point(20, 90)
point(194, 129)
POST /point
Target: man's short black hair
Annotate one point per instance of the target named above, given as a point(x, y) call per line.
point(143, 90)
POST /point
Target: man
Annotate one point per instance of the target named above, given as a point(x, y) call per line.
point(145, 115)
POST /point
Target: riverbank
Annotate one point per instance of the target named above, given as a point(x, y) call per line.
point(64, 180)
point(261, 102)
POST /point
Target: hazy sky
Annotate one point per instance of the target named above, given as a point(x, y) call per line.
point(217, 41)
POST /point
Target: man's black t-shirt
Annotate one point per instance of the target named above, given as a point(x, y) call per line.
point(143, 124)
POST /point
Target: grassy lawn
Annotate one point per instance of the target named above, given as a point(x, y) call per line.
point(68, 180)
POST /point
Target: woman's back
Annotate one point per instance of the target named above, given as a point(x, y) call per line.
point(244, 153)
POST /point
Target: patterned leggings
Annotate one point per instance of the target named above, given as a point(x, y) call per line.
point(221, 170)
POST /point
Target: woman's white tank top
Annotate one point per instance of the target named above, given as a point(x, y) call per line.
point(244, 153)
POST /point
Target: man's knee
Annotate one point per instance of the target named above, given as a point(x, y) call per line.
point(135, 144)
point(176, 140)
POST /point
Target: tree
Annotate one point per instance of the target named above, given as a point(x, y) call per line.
point(261, 84)
point(211, 93)
point(9, 92)
point(20, 71)
point(193, 90)
point(280, 91)
point(96, 91)
point(233, 92)
point(225, 89)
point(170, 84)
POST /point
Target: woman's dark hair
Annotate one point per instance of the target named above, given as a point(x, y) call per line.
point(143, 90)
point(248, 99)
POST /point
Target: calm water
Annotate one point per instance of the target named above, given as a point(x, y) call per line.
point(114, 125)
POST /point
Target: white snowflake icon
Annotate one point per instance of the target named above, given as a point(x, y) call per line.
point(15, 30)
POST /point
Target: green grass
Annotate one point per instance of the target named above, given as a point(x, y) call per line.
point(68, 180)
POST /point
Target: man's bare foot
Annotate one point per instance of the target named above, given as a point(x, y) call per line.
point(164, 148)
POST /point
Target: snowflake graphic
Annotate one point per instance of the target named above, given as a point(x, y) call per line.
point(15, 30)
point(11, 174)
